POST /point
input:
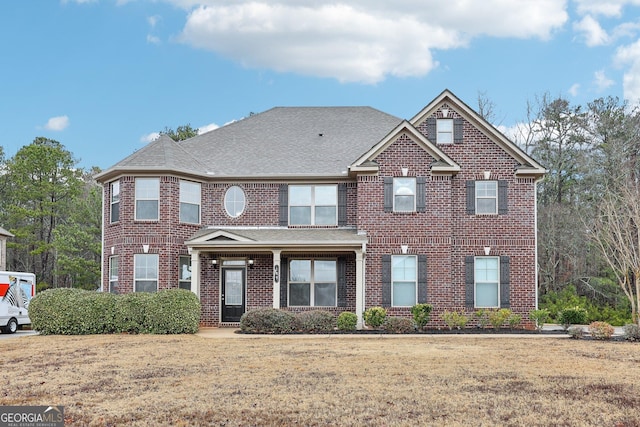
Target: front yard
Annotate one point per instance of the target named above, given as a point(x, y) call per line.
point(185, 380)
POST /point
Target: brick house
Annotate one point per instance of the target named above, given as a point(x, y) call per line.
point(339, 208)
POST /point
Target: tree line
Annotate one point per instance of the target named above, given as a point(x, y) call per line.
point(588, 203)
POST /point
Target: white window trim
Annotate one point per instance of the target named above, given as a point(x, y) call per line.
point(180, 264)
point(113, 185)
point(113, 258)
point(312, 282)
point(477, 197)
point(142, 198)
point(234, 202)
point(136, 279)
point(415, 192)
point(440, 132)
point(313, 204)
point(475, 282)
point(199, 204)
point(415, 282)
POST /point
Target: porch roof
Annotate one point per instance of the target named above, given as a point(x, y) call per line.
point(266, 239)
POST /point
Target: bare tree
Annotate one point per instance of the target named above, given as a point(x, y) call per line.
point(616, 231)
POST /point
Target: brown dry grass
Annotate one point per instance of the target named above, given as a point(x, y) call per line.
point(380, 381)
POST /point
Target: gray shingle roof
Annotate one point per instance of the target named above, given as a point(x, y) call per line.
point(281, 142)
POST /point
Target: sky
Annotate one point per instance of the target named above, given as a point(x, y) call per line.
point(102, 77)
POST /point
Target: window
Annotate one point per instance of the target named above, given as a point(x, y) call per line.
point(444, 131)
point(113, 274)
point(147, 198)
point(487, 280)
point(234, 201)
point(404, 278)
point(185, 273)
point(313, 204)
point(312, 283)
point(146, 273)
point(190, 202)
point(404, 194)
point(115, 201)
point(486, 197)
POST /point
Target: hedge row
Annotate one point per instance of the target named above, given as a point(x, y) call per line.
point(276, 321)
point(66, 311)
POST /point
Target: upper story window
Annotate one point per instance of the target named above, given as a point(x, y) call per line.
point(145, 277)
point(404, 194)
point(313, 282)
point(234, 201)
point(190, 202)
point(444, 131)
point(115, 201)
point(404, 280)
point(313, 205)
point(486, 197)
point(147, 199)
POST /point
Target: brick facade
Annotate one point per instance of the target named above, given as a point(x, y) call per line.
point(445, 232)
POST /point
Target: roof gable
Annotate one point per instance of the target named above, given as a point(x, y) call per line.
point(443, 164)
point(528, 166)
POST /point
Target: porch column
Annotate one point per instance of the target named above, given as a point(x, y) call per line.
point(276, 278)
point(359, 287)
point(195, 272)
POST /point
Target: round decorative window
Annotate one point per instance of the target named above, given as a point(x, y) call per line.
point(234, 201)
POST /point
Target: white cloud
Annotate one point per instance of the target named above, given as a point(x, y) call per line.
point(601, 81)
point(57, 124)
point(362, 40)
point(207, 128)
point(153, 20)
point(78, 1)
point(591, 31)
point(609, 8)
point(630, 56)
point(153, 39)
point(574, 89)
point(150, 137)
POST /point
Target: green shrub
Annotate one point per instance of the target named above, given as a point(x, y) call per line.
point(631, 332)
point(601, 330)
point(421, 314)
point(454, 320)
point(539, 317)
point(616, 312)
point(498, 317)
point(514, 320)
point(575, 332)
point(316, 321)
point(268, 321)
point(572, 316)
point(173, 311)
point(374, 316)
point(482, 318)
point(65, 311)
point(347, 321)
point(399, 325)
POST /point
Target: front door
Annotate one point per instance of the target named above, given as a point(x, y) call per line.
point(232, 295)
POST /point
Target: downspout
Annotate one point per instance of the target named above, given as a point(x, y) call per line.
point(102, 247)
point(535, 239)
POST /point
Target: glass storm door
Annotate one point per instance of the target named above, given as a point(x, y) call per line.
point(232, 294)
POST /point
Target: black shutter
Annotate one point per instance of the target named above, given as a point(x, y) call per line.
point(342, 204)
point(386, 280)
point(388, 194)
point(431, 129)
point(284, 205)
point(471, 197)
point(505, 282)
point(503, 188)
point(469, 281)
point(342, 281)
point(422, 279)
point(457, 130)
point(284, 281)
point(421, 203)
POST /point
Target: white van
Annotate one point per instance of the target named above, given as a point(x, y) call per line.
point(16, 291)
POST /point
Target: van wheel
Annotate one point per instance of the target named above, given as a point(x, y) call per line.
point(12, 326)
